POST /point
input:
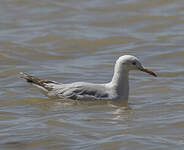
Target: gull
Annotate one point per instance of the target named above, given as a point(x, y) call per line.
point(115, 90)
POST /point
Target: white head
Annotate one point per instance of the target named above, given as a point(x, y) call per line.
point(130, 62)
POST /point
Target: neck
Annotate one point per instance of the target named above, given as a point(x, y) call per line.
point(120, 82)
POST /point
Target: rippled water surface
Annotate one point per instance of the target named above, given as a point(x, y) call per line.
point(79, 40)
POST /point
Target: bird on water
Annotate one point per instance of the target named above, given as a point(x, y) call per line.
point(116, 90)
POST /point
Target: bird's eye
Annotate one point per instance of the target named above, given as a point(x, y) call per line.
point(134, 63)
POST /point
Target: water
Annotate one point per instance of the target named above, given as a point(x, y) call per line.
point(80, 40)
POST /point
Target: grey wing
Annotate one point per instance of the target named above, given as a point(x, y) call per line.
point(83, 93)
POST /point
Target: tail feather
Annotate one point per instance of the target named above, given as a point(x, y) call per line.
point(36, 81)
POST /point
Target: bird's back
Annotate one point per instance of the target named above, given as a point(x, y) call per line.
point(81, 91)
